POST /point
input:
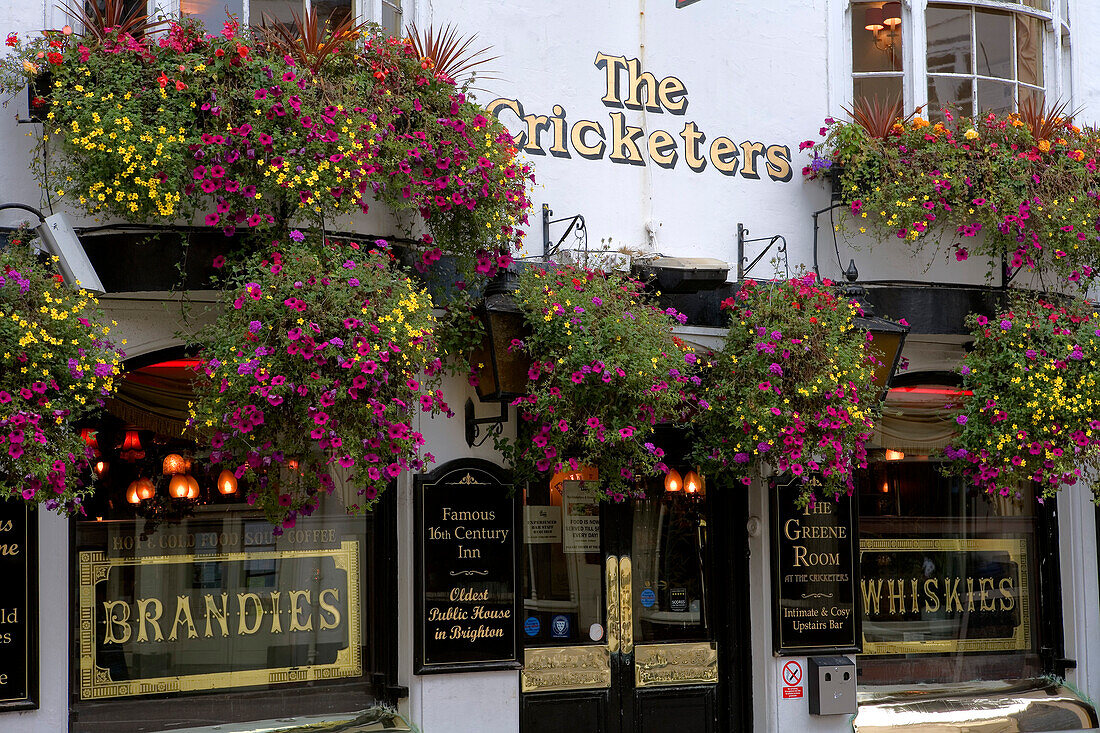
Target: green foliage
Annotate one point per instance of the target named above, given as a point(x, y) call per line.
point(792, 386)
point(606, 368)
point(56, 364)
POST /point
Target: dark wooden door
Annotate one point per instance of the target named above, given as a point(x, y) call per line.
point(630, 623)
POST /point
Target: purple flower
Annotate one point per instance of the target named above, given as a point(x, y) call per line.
point(1006, 324)
point(254, 326)
point(961, 419)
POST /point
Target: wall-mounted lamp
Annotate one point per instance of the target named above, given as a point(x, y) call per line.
point(59, 239)
point(887, 337)
point(884, 24)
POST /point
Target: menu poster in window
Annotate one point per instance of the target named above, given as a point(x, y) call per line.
point(467, 561)
point(814, 586)
point(19, 607)
point(582, 517)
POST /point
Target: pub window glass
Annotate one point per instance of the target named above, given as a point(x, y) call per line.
point(563, 574)
point(982, 60)
point(179, 595)
point(212, 13)
point(877, 57)
point(950, 585)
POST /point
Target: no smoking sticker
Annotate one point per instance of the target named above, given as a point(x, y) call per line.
point(792, 680)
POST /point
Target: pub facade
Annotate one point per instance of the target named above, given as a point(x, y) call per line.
point(665, 137)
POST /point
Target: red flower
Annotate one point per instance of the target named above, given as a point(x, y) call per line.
point(242, 51)
point(54, 57)
point(12, 39)
point(219, 52)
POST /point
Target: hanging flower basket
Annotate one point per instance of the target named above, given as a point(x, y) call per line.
point(320, 361)
point(57, 364)
point(1031, 388)
point(606, 369)
point(238, 133)
point(792, 387)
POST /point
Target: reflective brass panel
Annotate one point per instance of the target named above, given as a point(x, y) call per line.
point(626, 607)
point(612, 619)
point(690, 663)
point(988, 707)
point(566, 668)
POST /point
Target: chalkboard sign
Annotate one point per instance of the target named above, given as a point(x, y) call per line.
point(814, 565)
point(467, 560)
point(18, 607)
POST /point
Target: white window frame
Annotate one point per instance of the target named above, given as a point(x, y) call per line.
point(1056, 47)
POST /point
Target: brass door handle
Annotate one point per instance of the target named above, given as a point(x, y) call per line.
point(626, 607)
point(612, 579)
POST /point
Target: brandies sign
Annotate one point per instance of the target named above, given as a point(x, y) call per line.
point(154, 624)
point(467, 522)
point(18, 607)
point(814, 588)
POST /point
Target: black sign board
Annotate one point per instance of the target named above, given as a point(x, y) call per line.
point(19, 606)
point(814, 573)
point(467, 569)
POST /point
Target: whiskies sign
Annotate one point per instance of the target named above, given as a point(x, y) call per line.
point(813, 558)
point(19, 607)
point(467, 552)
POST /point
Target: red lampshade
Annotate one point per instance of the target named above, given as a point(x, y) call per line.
point(891, 14)
point(89, 437)
point(131, 447)
point(227, 482)
point(872, 19)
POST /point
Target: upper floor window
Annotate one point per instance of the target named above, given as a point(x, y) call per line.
point(213, 12)
point(979, 56)
point(982, 60)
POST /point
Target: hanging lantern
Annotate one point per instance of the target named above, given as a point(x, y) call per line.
point(227, 482)
point(693, 483)
point(131, 447)
point(132, 493)
point(174, 463)
point(178, 486)
point(192, 487)
point(673, 481)
point(145, 488)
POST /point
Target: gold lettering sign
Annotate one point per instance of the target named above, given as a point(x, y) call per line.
point(656, 665)
point(931, 596)
point(275, 616)
point(566, 668)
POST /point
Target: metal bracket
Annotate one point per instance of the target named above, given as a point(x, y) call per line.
point(473, 424)
point(576, 222)
point(742, 240)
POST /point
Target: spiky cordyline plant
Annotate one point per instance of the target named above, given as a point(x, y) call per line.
point(308, 41)
point(450, 53)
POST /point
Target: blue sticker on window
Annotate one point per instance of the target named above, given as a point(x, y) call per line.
point(559, 627)
point(532, 626)
point(648, 598)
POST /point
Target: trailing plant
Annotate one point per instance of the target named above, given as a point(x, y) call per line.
point(1031, 390)
point(792, 386)
point(606, 369)
point(1027, 184)
point(323, 355)
point(236, 132)
point(56, 364)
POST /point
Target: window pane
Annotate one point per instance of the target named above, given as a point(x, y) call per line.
point(332, 11)
point(1029, 93)
point(392, 21)
point(949, 41)
point(279, 11)
point(996, 96)
point(866, 55)
point(1065, 11)
point(950, 92)
point(884, 88)
point(212, 13)
point(994, 44)
point(1029, 50)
